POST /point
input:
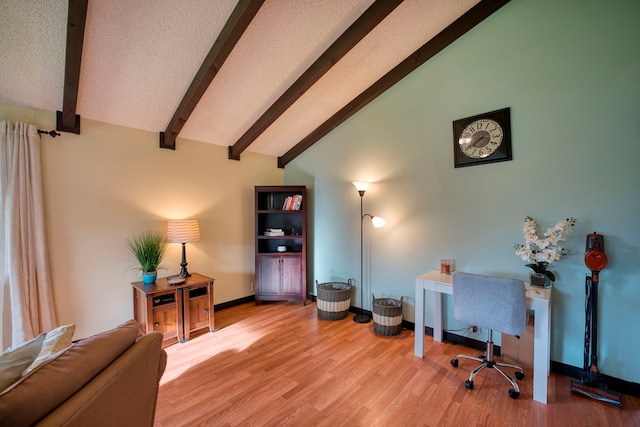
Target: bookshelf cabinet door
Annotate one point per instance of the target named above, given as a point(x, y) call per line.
point(290, 275)
point(268, 277)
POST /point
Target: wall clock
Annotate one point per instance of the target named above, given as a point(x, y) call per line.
point(485, 138)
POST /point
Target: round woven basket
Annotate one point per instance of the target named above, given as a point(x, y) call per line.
point(334, 300)
point(387, 316)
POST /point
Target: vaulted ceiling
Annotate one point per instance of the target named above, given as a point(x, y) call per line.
point(267, 76)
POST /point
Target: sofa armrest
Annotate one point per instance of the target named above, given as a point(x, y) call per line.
point(48, 386)
point(123, 394)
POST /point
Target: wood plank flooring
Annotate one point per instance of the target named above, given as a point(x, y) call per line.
point(277, 364)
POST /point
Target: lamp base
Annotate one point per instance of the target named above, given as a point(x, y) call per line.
point(361, 318)
point(183, 264)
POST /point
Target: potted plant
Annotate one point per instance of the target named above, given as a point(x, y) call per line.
point(148, 248)
point(541, 252)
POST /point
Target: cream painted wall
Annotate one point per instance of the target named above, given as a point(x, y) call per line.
point(109, 182)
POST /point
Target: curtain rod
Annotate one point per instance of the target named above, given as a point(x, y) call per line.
point(51, 133)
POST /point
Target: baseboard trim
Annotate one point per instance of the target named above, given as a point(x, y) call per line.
point(244, 300)
point(233, 303)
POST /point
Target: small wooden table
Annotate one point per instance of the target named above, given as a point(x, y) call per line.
point(174, 310)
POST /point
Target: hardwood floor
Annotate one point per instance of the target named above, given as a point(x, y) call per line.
point(278, 364)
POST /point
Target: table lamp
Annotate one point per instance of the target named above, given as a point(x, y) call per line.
point(183, 231)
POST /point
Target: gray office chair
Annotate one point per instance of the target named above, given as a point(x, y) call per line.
point(497, 304)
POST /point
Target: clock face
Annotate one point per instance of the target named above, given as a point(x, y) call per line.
point(481, 138)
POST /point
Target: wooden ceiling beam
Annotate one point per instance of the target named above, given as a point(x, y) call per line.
point(458, 28)
point(375, 14)
point(236, 25)
point(67, 120)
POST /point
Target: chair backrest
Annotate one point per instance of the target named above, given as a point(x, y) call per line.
point(490, 302)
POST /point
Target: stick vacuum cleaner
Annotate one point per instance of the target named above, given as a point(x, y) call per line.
point(590, 384)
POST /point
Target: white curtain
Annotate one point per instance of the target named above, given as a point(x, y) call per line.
point(26, 304)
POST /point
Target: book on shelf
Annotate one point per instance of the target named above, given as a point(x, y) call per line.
point(274, 232)
point(292, 203)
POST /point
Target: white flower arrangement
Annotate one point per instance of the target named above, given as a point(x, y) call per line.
point(540, 253)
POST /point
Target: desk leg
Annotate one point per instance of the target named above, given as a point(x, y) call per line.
point(419, 321)
point(437, 316)
point(541, 353)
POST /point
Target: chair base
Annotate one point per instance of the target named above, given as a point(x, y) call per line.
point(488, 362)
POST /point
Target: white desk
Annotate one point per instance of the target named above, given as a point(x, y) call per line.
point(537, 300)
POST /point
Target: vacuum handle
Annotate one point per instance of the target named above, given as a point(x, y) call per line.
point(587, 326)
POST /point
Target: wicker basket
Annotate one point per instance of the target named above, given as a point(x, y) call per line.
point(387, 316)
point(334, 299)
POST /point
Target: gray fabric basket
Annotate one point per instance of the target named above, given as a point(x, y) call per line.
point(334, 300)
point(387, 316)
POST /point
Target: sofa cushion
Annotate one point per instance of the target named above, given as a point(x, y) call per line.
point(17, 359)
point(38, 393)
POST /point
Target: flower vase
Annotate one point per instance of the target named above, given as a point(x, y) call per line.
point(539, 280)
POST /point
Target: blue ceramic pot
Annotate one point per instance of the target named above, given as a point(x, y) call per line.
point(149, 277)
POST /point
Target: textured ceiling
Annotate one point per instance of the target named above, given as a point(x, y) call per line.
point(139, 58)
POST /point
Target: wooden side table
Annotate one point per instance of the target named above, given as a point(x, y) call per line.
point(174, 310)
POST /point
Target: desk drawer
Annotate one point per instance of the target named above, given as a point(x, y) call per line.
point(428, 285)
point(443, 288)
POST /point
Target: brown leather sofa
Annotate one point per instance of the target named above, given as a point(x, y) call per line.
point(108, 379)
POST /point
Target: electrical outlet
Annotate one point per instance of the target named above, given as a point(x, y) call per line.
point(252, 287)
point(474, 329)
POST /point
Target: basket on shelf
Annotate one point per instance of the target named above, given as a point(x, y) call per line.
point(387, 315)
point(334, 300)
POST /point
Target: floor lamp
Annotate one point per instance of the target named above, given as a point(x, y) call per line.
point(377, 223)
point(183, 231)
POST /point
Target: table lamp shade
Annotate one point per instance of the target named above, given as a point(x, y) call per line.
point(183, 231)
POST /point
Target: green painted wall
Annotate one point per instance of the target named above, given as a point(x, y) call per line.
point(570, 72)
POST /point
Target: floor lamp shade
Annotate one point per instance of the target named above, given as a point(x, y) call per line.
point(183, 231)
point(361, 186)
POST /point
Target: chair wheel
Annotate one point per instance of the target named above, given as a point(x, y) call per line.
point(454, 363)
point(513, 394)
point(468, 384)
point(519, 375)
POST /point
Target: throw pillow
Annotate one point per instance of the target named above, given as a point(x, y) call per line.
point(56, 340)
point(17, 359)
